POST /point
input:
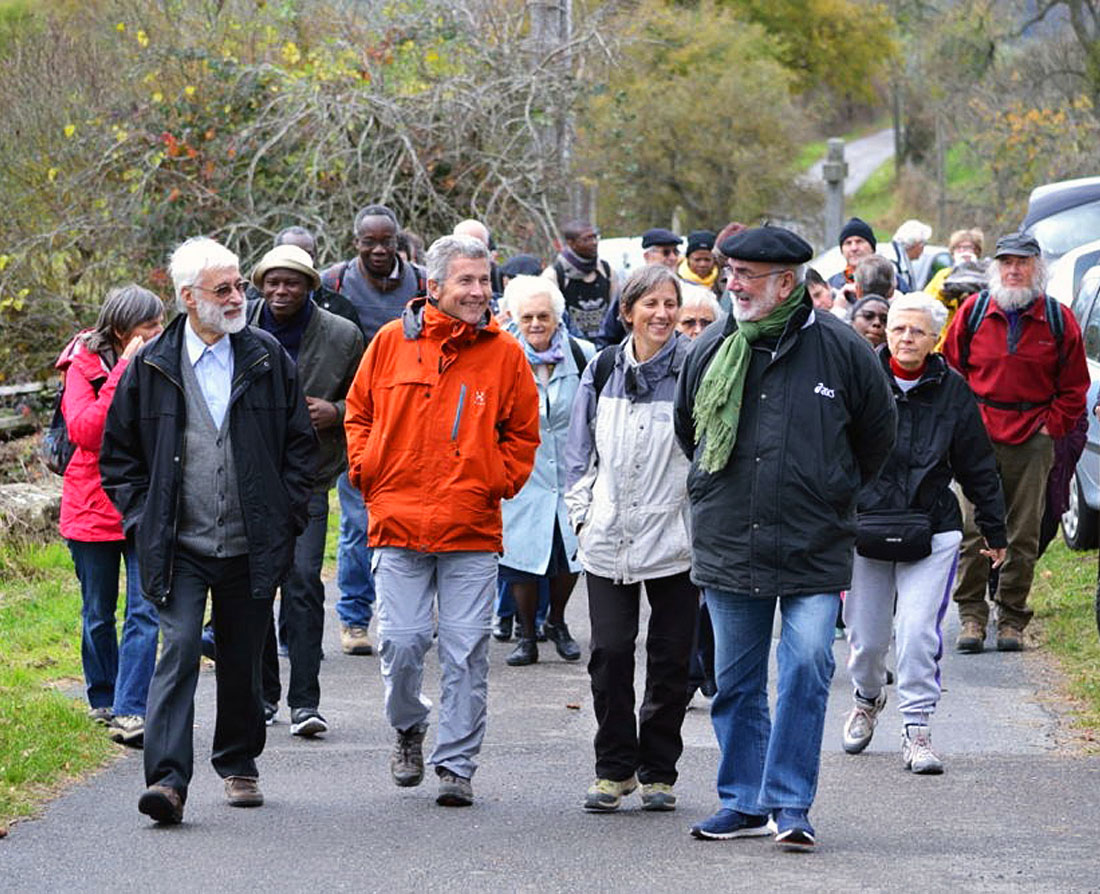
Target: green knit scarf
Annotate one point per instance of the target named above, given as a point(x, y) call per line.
point(718, 401)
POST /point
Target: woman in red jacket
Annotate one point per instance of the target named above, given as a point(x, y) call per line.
point(116, 675)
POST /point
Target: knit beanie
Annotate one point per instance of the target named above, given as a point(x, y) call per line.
point(857, 227)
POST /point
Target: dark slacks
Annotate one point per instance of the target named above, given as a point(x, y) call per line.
point(301, 616)
point(240, 624)
point(650, 744)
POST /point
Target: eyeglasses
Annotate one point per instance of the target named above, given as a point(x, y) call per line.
point(870, 316)
point(225, 290)
point(367, 244)
point(913, 331)
point(743, 274)
point(665, 251)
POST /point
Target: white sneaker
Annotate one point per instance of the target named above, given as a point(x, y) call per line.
point(860, 725)
point(916, 751)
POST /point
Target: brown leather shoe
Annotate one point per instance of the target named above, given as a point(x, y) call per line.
point(1009, 639)
point(243, 791)
point(972, 637)
point(163, 803)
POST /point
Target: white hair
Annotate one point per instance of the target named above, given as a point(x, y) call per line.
point(447, 248)
point(521, 288)
point(698, 296)
point(192, 258)
point(923, 302)
point(912, 232)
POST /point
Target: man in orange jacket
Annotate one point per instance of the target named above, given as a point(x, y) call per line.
point(442, 424)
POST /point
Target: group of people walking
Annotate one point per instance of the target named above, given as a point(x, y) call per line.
point(737, 446)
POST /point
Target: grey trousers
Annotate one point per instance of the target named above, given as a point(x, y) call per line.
point(460, 586)
point(923, 592)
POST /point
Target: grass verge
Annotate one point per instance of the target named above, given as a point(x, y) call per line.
point(46, 738)
point(1063, 597)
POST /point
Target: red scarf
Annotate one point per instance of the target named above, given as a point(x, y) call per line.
point(910, 375)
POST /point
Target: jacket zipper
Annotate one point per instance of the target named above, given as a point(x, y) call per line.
point(458, 412)
point(178, 473)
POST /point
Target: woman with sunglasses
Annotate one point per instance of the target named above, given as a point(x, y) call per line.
point(868, 318)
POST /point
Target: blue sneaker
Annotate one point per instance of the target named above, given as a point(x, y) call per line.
point(793, 829)
point(728, 823)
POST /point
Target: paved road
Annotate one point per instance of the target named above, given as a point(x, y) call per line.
point(864, 156)
point(1014, 812)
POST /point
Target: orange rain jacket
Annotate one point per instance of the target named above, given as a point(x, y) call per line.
point(442, 424)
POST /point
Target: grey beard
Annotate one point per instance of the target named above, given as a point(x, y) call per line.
point(213, 315)
point(1013, 299)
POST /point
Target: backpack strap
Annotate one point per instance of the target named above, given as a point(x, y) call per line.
point(339, 288)
point(605, 363)
point(973, 321)
point(578, 354)
point(1056, 322)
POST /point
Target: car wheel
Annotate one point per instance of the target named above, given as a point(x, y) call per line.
point(1079, 522)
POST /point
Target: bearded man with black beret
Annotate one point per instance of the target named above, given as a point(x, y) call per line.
point(785, 414)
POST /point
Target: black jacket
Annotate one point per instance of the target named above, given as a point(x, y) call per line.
point(940, 435)
point(817, 422)
point(141, 461)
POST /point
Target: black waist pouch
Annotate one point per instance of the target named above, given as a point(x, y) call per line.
point(900, 535)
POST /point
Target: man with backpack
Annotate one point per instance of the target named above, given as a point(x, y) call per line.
point(587, 283)
point(379, 284)
point(1024, 359)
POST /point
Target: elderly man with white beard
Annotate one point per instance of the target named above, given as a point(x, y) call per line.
point(208, 454)
point(1023, 357)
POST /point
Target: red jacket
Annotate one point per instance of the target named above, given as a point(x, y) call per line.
point(86, 513)
point(442, 424)
point(1029, 371)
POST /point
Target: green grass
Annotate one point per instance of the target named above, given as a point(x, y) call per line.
point(874, 200)
point(45, 735)
point(1063, 597)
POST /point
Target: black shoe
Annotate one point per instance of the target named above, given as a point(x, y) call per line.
point(709, 688)
point(563, 641)
point(270, 710)
point(525, 652)
point(540, 634)
point(502, 629)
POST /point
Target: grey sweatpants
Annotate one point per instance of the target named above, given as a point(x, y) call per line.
point(923, 593)
point(460, 586)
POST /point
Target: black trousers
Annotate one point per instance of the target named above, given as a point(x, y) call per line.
point(301, 616)
point(649, 744)
point(240, 625)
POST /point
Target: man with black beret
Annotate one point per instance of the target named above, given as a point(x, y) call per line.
point(785, 415)
point(661, 246)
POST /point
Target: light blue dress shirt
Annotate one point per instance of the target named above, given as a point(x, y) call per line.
point(213, 365)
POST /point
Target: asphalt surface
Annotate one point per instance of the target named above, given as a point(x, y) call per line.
point(1017, 809)
point(864, 156)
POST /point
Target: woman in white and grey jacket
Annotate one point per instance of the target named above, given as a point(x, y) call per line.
point(627, 498)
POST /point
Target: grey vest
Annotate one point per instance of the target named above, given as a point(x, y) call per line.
point(211, 523)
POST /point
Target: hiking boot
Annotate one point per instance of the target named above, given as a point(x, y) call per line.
point(860, 725)
point(163, 804)
point(102, 716)
point(407, 760)
point(563, 641)
point(658, 796)
point(526, 652)
point(307, 722)
point(502, 629)
point(726, 824)
point(608, 794)
point(354, 640)
point(972, 638)
point(1009, 639)
point(128, 729)
point(916, 751)
point(454, 790)
point(793, 831)
point(243, 791)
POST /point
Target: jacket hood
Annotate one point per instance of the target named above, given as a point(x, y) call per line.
point(74, 347)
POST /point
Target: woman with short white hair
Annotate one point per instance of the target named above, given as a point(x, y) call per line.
point(538, 539)
point(909, 530)
point(699, 310)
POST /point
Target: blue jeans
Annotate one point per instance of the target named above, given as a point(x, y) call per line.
point(353, 558)
point(116, 675)
point(766, 765)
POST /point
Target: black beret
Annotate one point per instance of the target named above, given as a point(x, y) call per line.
point(699, 240)
point(1019, 244)
point(659, 236)
point(857, 227)
point(775, 244)
point(521, 265)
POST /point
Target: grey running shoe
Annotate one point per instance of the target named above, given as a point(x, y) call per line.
point(608, 794)
point(407, 760)
point(860, 725)
point(454, 790)
point(658, 796)
point(307, 722)
point(916, 751)
point(102, 716)
point(127, 729)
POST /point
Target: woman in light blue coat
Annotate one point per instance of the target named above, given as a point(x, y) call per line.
point(538, 540)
